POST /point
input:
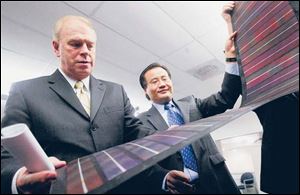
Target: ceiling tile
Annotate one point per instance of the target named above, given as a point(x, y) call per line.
point(197, 17)
point(87, 7)
point(38, 15)
point(215, 41)
point(145, 24)
point(120, 51)
point(189, 57)
point(24, 41)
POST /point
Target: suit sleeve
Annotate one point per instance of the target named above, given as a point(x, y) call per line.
point(134, 128)
point(15, 112)
point(222, 100)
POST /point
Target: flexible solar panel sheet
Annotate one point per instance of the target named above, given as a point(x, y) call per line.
point(268, 47)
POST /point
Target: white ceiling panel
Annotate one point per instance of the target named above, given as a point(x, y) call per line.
point(144, 23)
point(197, 17)
point(190, 56)
point(37, 15)
point(87, 7)
point(32, 44)
point(203, 89)
point(215, 41)
point(120, 51)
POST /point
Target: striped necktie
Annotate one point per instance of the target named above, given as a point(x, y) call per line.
point(82, 96)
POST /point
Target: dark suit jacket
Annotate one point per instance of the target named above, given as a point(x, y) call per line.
point(280, 145)
point(51, 109)
point(214, 176)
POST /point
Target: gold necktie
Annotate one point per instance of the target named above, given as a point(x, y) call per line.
point(82, 96)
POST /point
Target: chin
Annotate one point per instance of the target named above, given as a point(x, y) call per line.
point(165, 99)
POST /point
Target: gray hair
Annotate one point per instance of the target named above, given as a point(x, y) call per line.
point(60, 23)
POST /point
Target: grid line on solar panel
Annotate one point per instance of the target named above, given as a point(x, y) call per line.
point(282, 89)
point(139, 151)
point(257, 24)
point(274, 53)
point(264, 74)
point(110, 169)
point(90, 175)
point(263, 46)
point(263, 32)
point(257, 7)
point(255, 29)
point(122, 158)
point(73, 179)
point(280, 80)
point(151, 145)
point(284, 74)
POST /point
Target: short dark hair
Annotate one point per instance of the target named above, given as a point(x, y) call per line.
point(143, 82)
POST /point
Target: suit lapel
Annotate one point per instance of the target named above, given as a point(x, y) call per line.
point(155, 118)
point(60, 85)
point(184, 109)
point(97, 93)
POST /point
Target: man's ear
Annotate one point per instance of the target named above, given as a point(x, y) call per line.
point(147, 96)
point(55, 46)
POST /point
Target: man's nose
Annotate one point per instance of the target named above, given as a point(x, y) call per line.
point(162, 84)
point(84, 49)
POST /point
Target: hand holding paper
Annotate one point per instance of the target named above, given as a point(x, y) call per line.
point(20, 142)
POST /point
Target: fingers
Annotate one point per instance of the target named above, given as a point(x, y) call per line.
point(26, 178)
point(56, 162)
point(38, 181)
point(233, 35)
point(27, 182)
point(177, 182)
point(229, 6)
point(178, 175)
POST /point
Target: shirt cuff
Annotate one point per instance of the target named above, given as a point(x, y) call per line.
point(14, 189)
point(164, 187)
point(232, 68)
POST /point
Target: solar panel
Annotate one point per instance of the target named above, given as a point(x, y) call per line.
point(268, 49)
point(268, 55)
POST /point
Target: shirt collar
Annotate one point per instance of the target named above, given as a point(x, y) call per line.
point(161, 107)
point(86, 81)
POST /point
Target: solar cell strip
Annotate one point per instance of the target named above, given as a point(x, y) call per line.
point(263, 46)
point(267, 74)
point(274, 53)
point(74, 182)
point(139, 151)
point(268, 49)
point(89, 175)
point(282, 76)
point(250, 30)
point(273, 14)
point(152, 145)
point(291, 86)
point(110, 169)
point(266, 31)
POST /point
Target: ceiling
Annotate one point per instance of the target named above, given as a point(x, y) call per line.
point(182, 35)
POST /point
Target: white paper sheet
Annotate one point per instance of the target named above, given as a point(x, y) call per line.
point(19, 141)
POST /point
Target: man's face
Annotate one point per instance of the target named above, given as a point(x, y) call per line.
point(76, 49)
point(159, 85)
